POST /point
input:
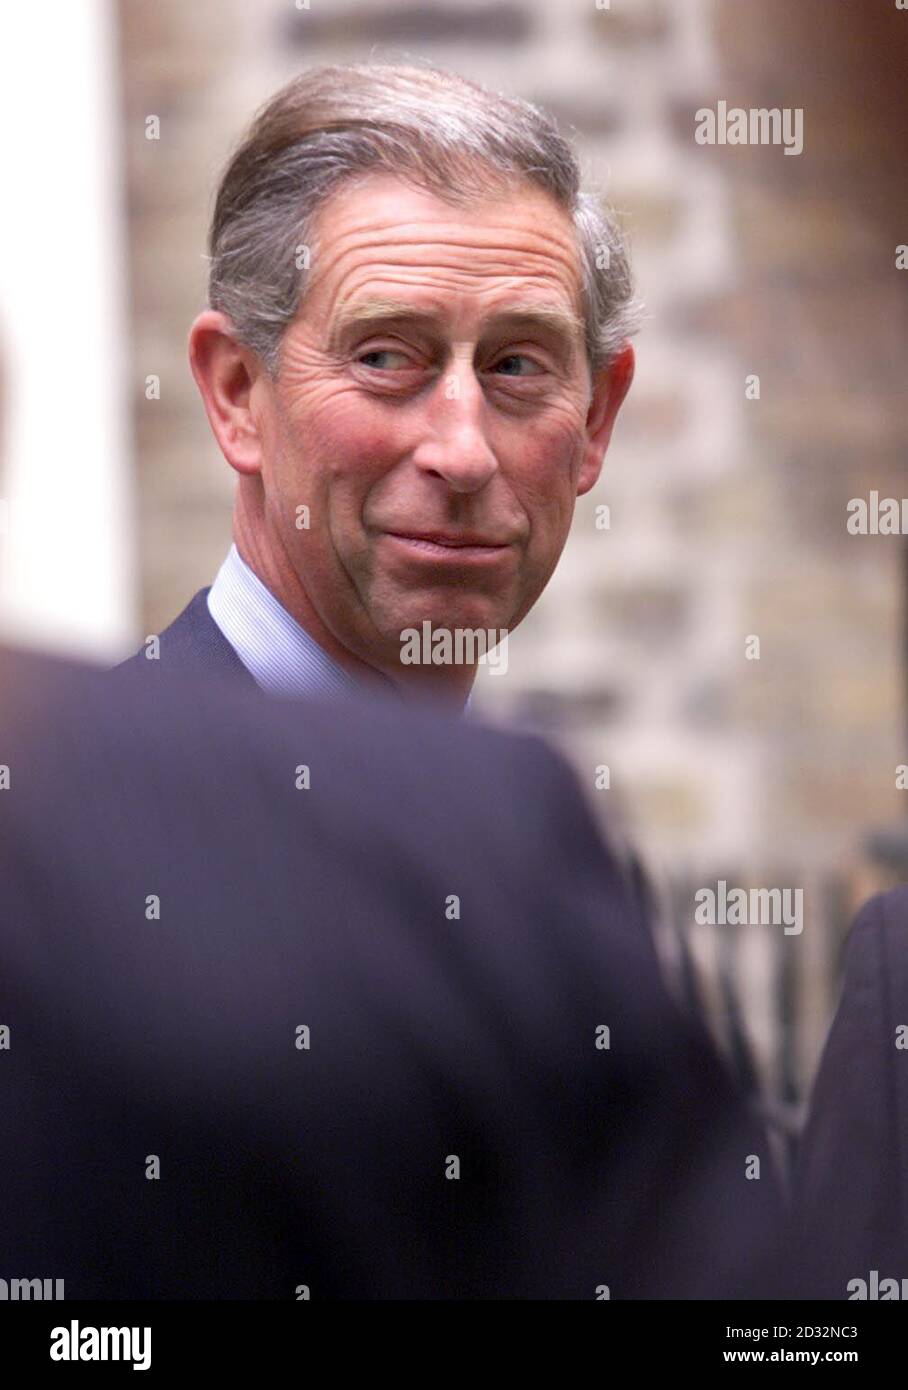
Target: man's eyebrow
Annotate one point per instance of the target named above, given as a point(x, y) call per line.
point(551, 316)
point(373, 312)
point(362, 313)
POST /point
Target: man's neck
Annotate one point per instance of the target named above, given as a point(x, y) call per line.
point(438, 685)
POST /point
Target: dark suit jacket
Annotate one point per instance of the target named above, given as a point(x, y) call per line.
point(437, 1037)
point(851, 1182)
point(193, 644)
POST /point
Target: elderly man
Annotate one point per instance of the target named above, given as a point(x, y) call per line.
point(414, 354)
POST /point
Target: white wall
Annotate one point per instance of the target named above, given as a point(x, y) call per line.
point(66, 544)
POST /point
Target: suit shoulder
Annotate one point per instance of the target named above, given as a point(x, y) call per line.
point(880, 931)
point(890, 909)
point(181, 631)
point(193, 644)
point(877, 951)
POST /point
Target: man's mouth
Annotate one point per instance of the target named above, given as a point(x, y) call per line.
point(461, 546)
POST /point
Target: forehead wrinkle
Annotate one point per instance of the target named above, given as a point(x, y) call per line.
point(546, 255)
point(512, 241)
point(341, 307)
point(354, 228)
point(376, 305)
point(446, 256)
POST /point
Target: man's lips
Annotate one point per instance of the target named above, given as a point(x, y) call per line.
point(443, 545)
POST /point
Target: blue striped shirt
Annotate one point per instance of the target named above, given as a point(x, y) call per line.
point(279, 654)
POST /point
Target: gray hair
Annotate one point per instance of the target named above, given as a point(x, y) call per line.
point(433, 129)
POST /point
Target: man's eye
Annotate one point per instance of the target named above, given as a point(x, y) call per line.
point(511, 365)
point(379, 358)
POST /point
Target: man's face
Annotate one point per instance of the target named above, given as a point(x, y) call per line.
point(431, 412)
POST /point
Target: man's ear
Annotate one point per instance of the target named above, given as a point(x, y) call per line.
point(225, 372)
point(610, 386)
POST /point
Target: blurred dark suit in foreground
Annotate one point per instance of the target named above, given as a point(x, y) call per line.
point(430, 1038)
point(851, 1189)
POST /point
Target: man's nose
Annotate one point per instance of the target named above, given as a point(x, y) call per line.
point(456, 448)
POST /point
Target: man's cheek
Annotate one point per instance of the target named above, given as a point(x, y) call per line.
point(342, 412)
point(551, 451)
point(548, 499)
point(345, 533)
point(550, 524)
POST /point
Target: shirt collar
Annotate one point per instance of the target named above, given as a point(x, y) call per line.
point(279, 654)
